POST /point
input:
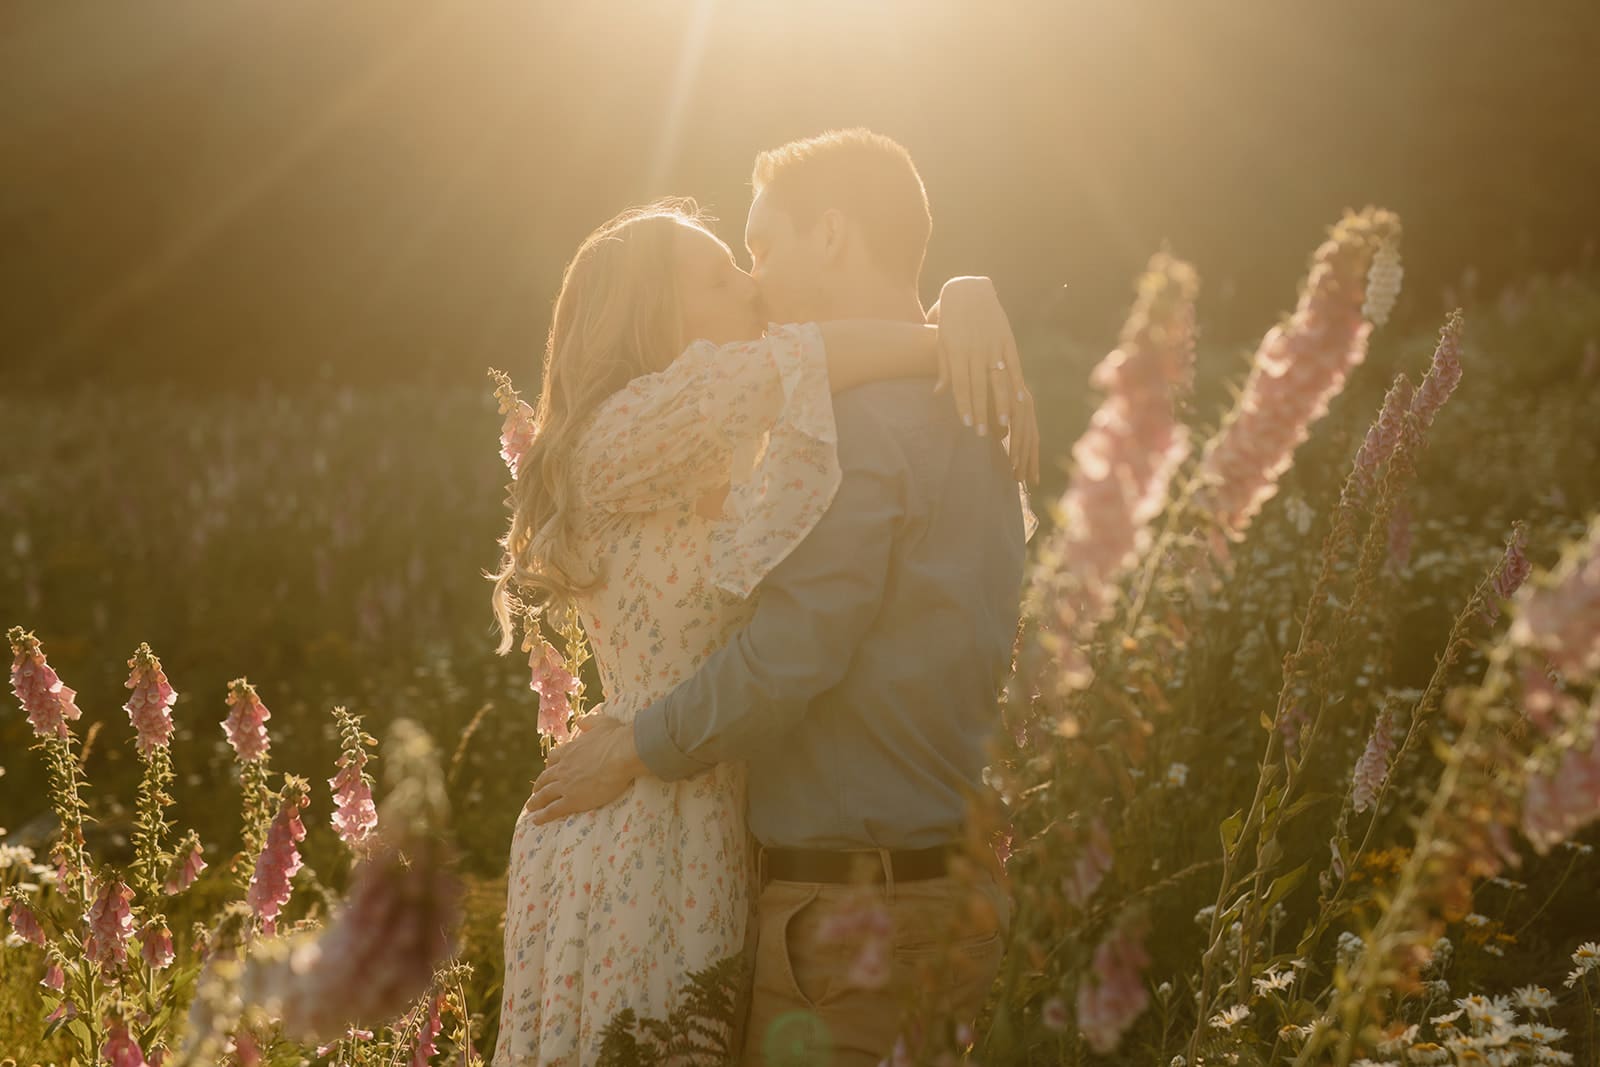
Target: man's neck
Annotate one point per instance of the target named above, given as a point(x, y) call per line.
point(899, 305)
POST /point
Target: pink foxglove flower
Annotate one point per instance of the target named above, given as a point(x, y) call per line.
point(1557, 805)
point(155, 945)
point(186, 865)
point(1443, 376)
point(1123, 464)
point(245, 725)
point(378, 952)
point(110, 925)
point(1372, 769)
point(425, 1048)
point(1089, 867)
point(48, 702)
point(1299, 366)
point(1382, 437)
point(149, 707)
point(1545, 705)
point(120, 1049)
point(863, 920)
point(1113, 995)
point(520, 426)
point(25, 923)
point(1383, 283)
point(245, 1050)
point(1053, 1014)
point(355, 816)
point(55, 978)
point(1400, 537)
point(1513, 571)
point(1561, 616)
point(279, 861)
point(554, 684)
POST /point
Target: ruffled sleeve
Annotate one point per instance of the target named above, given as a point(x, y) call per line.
point(669, 438)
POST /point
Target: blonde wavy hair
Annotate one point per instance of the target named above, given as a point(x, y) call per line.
point(617, 317)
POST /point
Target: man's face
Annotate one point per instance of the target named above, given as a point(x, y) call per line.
point(788, 265)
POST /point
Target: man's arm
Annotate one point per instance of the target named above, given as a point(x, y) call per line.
point(813, 611)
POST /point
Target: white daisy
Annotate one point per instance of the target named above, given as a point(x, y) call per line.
point(1587, 957)
point(1273, 981)
point(1540, 1034)
point(15, 856)
point(1491, 1011)
point(1395, 1042)
point(1229, 1017)
point(1428, 1052)
point(1535, 998)
point(1552, 1055)
point(1475, 919)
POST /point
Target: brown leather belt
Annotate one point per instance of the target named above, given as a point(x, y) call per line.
point(811, 865)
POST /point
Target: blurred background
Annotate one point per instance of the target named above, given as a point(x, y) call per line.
point(256, 258)
point(377, 192)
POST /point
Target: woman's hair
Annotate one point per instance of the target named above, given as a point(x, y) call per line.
point(616, 318)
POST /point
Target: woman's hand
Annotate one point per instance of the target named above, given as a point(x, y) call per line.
point(978, 362)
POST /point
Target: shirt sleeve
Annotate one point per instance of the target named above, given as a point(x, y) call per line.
point(669, 437)
point(814, 608)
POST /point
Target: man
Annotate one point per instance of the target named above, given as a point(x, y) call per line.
point(864, 688)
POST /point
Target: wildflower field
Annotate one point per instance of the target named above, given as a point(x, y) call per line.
point(1299, 761)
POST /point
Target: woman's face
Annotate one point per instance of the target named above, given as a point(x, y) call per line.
point(720, 302)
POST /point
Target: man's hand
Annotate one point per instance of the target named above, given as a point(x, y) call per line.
point(587, 772)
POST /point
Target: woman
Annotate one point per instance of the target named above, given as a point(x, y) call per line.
point(662, 484)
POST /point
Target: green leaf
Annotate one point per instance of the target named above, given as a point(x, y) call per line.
point(1231, 827)
point(1284, 884)
point(1303, 802)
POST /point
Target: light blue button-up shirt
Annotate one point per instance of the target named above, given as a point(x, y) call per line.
point(866, 685)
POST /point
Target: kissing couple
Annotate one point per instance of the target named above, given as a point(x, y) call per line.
point(780, 504)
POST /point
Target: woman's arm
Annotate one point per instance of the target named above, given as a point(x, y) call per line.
point(873, 350)
point(972, 351)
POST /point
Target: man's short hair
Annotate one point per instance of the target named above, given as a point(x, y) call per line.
point(866, 176)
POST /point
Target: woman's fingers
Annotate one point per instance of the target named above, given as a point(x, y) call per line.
point(1023, 445)
point(1013, 365)
point(997, 386)
point(978, 372)
point(1033, 438)
point(959, 356)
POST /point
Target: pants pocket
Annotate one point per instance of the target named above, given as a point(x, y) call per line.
point(775, 972)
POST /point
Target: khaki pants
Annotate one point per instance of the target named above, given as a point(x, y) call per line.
point(805, 1012)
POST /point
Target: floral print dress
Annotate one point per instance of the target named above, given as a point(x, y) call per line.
point(612, 908)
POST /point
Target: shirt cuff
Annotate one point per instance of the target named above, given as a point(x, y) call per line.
point(657, 750)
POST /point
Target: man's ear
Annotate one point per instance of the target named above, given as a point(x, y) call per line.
point(835, 232)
